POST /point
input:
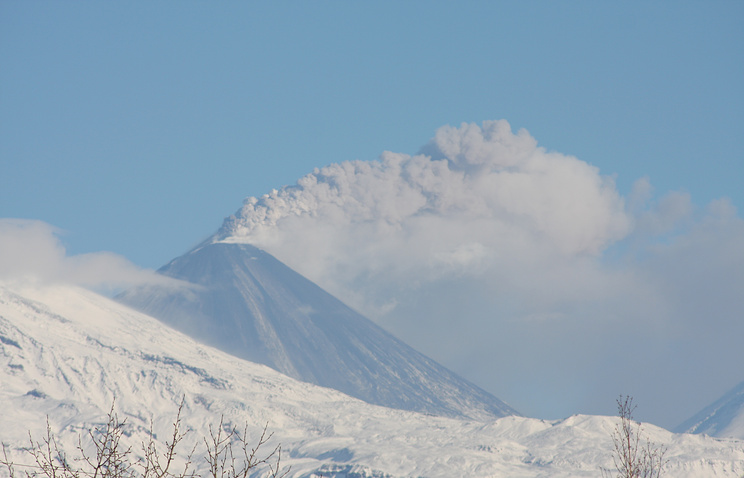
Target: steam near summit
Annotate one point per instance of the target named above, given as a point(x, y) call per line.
point(464, 177)
point(484, 235)
point(474, 198)
point(485, 248)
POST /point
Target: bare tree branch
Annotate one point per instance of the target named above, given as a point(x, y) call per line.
point(112, 460)
point(632, 456)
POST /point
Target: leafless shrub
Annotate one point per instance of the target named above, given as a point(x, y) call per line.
point(111, 459)
point(48, 459)
point(158, 465)
point(222, 459)
point(633, 456)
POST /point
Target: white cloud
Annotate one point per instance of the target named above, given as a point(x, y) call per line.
point(477, 190)
point(523, 269)
point(31, 253)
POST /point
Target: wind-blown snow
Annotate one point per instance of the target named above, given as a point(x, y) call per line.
point(66, 353)
point(31, 252)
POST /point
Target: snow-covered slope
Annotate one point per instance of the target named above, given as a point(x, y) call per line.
point(722, 418)
point(249, 304)
point(66, 352)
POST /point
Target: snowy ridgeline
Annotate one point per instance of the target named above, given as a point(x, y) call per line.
point(67, 353)
point(723, 418)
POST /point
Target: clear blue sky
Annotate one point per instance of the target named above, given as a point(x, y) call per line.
point(137, 127)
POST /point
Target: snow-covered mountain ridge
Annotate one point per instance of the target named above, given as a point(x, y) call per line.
point(66, 352)
point(722, 418)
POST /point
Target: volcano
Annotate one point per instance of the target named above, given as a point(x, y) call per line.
point(249, 304)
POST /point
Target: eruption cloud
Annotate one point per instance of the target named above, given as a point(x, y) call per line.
point(472, 199)
point(524, 270)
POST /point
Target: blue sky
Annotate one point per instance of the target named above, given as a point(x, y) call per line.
point(137, 127)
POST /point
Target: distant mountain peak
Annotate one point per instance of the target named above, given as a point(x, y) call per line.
point(722, 418)
point(251, 305)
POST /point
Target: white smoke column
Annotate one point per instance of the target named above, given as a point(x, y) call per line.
point(474, 199)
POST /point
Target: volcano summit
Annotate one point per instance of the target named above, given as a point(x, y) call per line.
point(249, 304)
